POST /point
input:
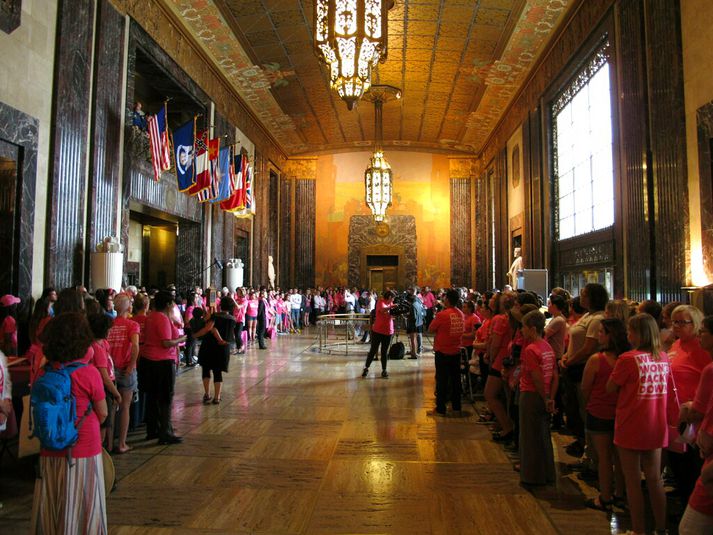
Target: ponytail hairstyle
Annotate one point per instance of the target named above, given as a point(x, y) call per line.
point(648, 330)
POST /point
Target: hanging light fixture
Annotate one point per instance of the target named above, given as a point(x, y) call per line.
point(350, 37)
point(377, 177)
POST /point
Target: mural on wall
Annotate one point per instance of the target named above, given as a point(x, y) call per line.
point(516, 191)
point(421, 189)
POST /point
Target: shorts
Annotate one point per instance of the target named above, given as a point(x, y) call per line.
point(412, 329)
point(599, 426)
point(495, 373)
point(250, 318)
point(126, 381)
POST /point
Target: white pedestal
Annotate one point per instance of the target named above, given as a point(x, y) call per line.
point(233, 277)
point(107, 270)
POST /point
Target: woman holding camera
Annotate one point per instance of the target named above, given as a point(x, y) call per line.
point(381, 332)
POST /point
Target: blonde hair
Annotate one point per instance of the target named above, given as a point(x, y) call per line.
point(618, 309)
point(122, 303)
point(648, 330)
point(695, 314)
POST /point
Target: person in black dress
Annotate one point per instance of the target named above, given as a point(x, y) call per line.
point(261, 319)
point(214, 353)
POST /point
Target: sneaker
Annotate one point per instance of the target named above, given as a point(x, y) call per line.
point(365, 372)
point(384, 374)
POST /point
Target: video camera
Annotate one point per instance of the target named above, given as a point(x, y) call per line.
point(402, 305)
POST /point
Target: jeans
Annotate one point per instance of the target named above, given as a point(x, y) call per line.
point(295, 312)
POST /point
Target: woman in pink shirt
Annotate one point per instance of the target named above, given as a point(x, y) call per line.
point(538, 385)
point(8, 324)
point(601, 410)
point(501, 333)
point(381, 332)
point(698, 517)
point(642, 377)
point(251, 315)
point(71, 498)
point(241, 307)
point(157, 369)
point(688, 359)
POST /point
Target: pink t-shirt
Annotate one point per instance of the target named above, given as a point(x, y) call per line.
point(641, 421)
point(158, 328)
point(101, 358)
point(87, 385)
point(9, 326)
point(537, 355)
point(500, 325)
point(383, 322)
point(703, 402)
point(252, 308)
point(448, 326)
point(119, 339)
point(701, 500)
point(602, 404)
point(687, 362)
point(141, 320)
point(554, 334)
point(428, 300)
point(240, 308)
point(469, 323)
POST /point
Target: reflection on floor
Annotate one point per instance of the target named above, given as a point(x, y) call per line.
point(302, 444)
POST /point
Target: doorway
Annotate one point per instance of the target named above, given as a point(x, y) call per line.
point(383, 272)
point(9, 217)
point(152, 250)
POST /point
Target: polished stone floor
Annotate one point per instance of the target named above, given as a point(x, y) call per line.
point(302, 444)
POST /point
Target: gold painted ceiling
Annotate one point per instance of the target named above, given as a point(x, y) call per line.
point(459, 63)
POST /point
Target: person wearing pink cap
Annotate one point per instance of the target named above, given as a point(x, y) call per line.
point(8, 325)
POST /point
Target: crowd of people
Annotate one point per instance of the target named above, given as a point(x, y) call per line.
point(632, 382)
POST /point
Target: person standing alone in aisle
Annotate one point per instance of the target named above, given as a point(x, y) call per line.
point(295, 306)
point(381, 332)
point(448, 326)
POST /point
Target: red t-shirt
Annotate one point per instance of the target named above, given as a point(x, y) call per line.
point(252, 308)
point(687, 362)
point(158, 328)
point(700, 500)
point(500, 325)
point(537, 355)
point(239, 310)
point(448, 326)
point(383, 322)
point(602, 404)
point(101, 358)
point(119, 339)
point(428, 300)
point(87, 385)
point(703, 401)
point(641, 420)
point(482, 334)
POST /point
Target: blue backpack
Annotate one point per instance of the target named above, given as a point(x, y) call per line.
point(53, 409)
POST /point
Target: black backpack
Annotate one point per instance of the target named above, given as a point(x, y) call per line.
point(397, 351)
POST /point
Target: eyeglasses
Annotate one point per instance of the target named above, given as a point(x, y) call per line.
point(682, 322)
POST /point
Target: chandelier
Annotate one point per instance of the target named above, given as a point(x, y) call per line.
point(350, 37)
point(377, 177)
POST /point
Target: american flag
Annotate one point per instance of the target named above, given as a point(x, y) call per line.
point(160, 146)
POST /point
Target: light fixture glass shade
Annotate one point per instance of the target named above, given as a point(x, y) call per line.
point(350, 37)
point(377, 181)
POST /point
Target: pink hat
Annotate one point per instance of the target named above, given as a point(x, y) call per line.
point(8, 300)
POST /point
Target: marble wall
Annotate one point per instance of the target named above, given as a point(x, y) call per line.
point(28, 53)
point(21, 130)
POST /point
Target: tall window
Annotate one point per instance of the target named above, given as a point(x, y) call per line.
point(582, 136)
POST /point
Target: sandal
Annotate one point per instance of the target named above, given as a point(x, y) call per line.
point(599, 503)
point(216, 401)
point(206, 398)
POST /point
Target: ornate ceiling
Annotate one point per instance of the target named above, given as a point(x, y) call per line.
point(459, 63)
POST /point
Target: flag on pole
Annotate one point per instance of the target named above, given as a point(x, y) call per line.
point(158, 140)
point(212, 191)
point(183, 139)
point(225, 175)
point(249, 205)
point(237, 200)
point(202, 168)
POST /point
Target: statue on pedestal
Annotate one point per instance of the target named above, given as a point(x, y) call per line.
point(271, 272)
point(515, 269)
